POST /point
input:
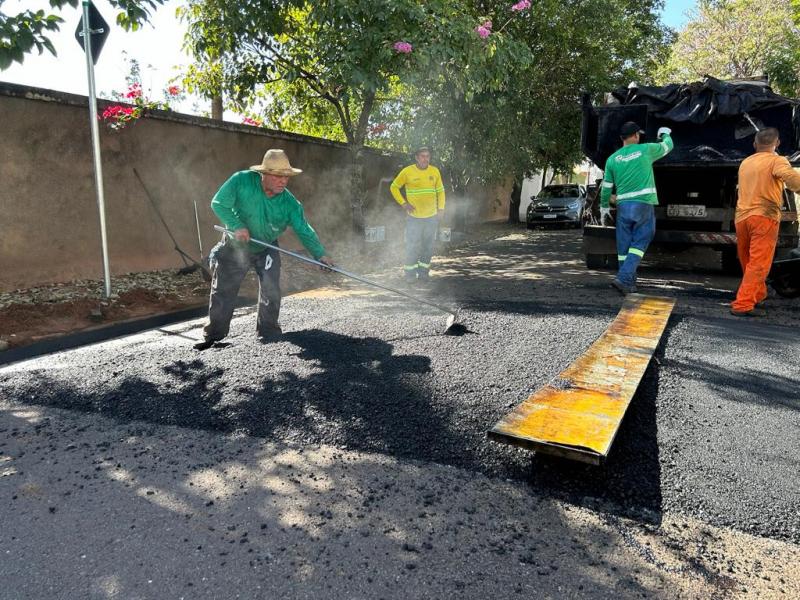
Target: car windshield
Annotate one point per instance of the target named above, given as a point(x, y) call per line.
point(558, 191)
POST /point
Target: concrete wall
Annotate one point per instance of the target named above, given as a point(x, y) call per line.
point(49, 229)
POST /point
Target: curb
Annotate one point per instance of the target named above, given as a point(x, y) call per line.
point(103, 333)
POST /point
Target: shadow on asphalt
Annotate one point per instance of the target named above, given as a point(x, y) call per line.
point(304, 518)
point(357, 394)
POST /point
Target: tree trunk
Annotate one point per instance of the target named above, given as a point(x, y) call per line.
point(357, 191)
point(216, 107)
point(516, 199)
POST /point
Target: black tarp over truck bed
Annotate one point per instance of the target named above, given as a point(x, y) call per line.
point(712, 136)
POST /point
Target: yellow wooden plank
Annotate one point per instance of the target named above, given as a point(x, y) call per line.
point(578, 413)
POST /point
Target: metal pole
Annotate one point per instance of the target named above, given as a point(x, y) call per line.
point(98, 167)
point(197, 222)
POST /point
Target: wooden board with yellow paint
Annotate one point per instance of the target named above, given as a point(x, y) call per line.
point(577, 414)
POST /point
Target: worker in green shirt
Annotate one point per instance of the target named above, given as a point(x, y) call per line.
point(255, 203)
point(630, 171)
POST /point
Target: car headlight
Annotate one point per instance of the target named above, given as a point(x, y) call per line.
point(574, 205)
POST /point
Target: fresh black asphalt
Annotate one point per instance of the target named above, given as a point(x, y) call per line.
point(712, 432)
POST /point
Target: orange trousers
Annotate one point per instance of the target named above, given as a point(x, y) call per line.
point(756, 238)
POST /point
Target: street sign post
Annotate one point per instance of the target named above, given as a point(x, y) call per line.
point(91, 34)
point(99, 29)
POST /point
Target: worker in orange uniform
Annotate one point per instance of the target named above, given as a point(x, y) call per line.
point(762, 177)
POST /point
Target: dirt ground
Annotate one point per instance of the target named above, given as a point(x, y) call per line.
point(35, 314)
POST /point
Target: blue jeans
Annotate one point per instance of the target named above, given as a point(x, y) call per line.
point(420, 234)
point(636, 226)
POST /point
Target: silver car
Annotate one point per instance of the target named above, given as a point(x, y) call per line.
point(557, 204)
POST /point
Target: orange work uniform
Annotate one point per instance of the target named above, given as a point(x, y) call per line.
point(758, 213)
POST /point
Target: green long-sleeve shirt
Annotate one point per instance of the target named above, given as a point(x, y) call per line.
point(630, 170)
point(241, 203)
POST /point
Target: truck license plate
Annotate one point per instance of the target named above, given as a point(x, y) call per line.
point(549, 216)
point(686, 210)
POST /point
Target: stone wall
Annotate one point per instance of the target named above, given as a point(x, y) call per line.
point(49, 230)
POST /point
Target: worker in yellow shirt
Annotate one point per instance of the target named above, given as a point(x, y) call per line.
point(424, 204)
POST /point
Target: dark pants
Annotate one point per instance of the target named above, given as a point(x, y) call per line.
point(231, 262)
point(420, 235)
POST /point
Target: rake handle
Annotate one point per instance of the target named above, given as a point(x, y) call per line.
point(341, 272)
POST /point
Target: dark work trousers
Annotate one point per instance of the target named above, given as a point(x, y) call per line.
point(420, 235)
point(231, 262)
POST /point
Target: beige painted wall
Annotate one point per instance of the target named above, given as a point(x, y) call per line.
point(49, 226)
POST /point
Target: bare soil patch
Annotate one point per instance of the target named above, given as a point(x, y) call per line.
point(33, 314)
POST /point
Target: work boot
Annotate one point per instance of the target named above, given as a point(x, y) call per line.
point(622, 288)
point(205, 344)
point(270, 334)
point(755, 312)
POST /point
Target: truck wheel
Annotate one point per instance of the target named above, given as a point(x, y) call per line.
point(730, 262)
point(786, 287)
point(595, 261)
point(599, 261)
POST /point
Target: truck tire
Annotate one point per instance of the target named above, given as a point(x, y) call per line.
point(786, 286)
point(730, 262)
point(602, 261)
point(595, 261)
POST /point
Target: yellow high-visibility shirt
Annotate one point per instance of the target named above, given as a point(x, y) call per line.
point(424, 190)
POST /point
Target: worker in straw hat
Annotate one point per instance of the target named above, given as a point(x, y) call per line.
point(255, 203)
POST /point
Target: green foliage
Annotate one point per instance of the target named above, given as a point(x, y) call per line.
point(532, 119)
point(20, 34)
point(491, 105)
point(739, 39)
point(306, 55)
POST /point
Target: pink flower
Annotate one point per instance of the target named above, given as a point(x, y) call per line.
point(484, 30)
point(521, 5)
point(378, 129)
point(403, 47)
point(173, 90)
point(134, 91)
point(249, 121)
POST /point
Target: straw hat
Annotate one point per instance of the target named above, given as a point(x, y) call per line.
point(276, 163)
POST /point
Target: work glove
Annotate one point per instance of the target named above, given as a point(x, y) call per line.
point(605, 212)
point(326, 260)
point(662, 131)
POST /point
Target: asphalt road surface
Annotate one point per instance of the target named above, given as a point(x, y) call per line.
point(699, 496)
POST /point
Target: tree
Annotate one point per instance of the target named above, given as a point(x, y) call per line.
point(532, 121)
point(21, 33)
point(739, 39)
point(342, 58)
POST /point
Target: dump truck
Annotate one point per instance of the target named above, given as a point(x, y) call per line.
point(713, 126)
